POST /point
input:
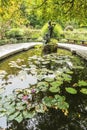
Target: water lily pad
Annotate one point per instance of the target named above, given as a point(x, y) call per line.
point(82, 83)
point(56, 83)
point(59, 78)
point(54, 89)
point(47, 101)
point(40, 77)
point(71, 90)
point(48, 79)
point(66, 77)
point(3, 72)
point(69, 71)
point(2, 112)
point(60, 98)
point(78, 67)
point(59, 102)
point(13, 116)
point(20, 106)
point(19, 118)
point(13, 64)
point(84, 91)
point(41, 108)
point(28, 114)
point(45, 62)
point(37, 62)
point(42, 86)
point(1, 90)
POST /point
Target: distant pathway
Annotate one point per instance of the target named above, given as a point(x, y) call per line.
point(78, 49)
point(9, 49)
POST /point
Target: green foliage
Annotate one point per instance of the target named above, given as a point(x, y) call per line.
point(82, 83)
point(53, 41)
point(48, 79)
point(44, 29)
point(84, 91)
point(56, 102)
point(54, 89)
point(69, 28)
point(71, 90)
point(49, 91)
point(15, 33)
point(76, 34)
point(14, 13)
point(35, 34)
point(57, 31)
point(42, 86)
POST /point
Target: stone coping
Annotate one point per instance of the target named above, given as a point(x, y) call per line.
point(10, 49)
point(76, 49)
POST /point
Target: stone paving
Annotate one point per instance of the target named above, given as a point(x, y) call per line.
point(77, 49)
point(7, 50)
point(10, 49)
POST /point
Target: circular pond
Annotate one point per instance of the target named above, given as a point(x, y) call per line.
point(43, 92)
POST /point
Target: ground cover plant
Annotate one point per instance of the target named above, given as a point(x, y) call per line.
point(54, 85)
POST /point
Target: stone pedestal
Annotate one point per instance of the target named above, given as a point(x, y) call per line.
point(47, 49)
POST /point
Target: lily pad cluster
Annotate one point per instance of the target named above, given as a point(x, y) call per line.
point(53, 74)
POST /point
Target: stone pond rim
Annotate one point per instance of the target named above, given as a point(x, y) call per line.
point(10, 49)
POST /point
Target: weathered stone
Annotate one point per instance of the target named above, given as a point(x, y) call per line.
point(76, 49)
point(47, 49)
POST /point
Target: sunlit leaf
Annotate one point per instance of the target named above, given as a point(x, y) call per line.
point(84, 91)
point(56, 83)
point(19, 118)
point(47, 101)
point(82, 83)
point(41, 108)
point(28, 114)
point(54, 89)
point(71, 90)
point(48, 79)
point(13, 116)
point(42, 86)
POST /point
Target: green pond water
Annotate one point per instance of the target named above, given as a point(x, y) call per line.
point(53, 86)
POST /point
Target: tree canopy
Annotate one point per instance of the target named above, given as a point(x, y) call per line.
point(40, 11)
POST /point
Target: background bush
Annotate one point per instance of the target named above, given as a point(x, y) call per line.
point(15, 33)
point(22, 35)
point(76, 34)
point(57, 31)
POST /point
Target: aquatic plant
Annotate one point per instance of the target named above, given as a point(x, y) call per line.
point(49, 92)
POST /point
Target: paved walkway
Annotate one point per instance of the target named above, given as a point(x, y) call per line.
point(7, 50)
point(10, 49)
point(77, 49)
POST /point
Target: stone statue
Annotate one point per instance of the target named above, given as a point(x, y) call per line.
point(46, 38)
point(48, 35)
point(50, 29)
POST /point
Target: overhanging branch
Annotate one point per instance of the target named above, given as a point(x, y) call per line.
point(39, 6)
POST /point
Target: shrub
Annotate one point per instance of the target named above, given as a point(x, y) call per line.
point(57, 31)
point(15, 33)
point(69, 28)
point(53, 41)
point(5, 41)
point(44, 30)
point(35, 34)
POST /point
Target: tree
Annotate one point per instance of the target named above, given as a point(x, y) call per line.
point(61, 9)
